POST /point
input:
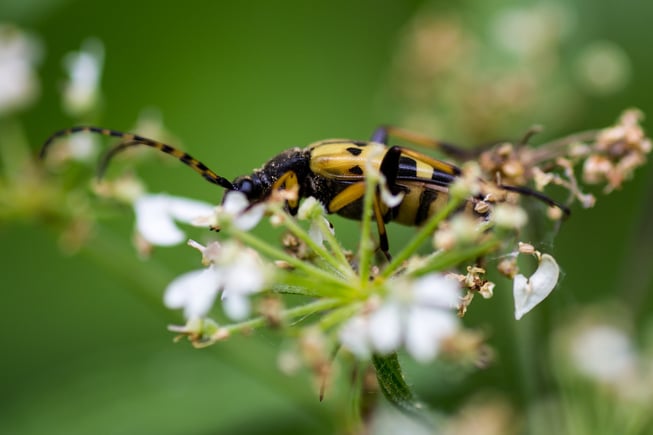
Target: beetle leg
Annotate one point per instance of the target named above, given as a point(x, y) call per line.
point(288, 181)
point(353, 193)
point(348, 195)
point(384, 245)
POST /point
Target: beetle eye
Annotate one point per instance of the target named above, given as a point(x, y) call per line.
point(246, 186)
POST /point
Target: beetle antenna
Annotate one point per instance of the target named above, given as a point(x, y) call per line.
point(523, 190)
point(130, 140)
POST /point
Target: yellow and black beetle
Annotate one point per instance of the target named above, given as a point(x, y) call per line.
point(333, 171)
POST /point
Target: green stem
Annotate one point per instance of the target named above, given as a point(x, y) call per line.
point(290, 223)
point(336, 248)
point(445, 260)
point(300, 311)
point(301, 284)
point(422, 235)
point(273, 252)
point(365, 249)
point(339, 315)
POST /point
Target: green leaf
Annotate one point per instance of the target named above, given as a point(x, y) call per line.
point(396, 390)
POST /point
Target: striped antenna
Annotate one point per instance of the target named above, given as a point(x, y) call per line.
point(130, 140)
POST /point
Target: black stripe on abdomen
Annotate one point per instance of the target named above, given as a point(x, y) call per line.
point(426, 198)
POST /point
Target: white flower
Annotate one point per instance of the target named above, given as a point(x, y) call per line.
point(238, 272)
point(156, 216)
point(313, 210)
point(194, 292)
point(18, 54)
point(237, 210)
point(528, 292)
point(84, 67)
point(417, 314)
point(604, 352)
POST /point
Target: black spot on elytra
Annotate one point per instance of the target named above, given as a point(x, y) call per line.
point(356, 170)
point(354, 151)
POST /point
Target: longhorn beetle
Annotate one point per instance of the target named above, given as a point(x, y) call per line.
point(333, 171)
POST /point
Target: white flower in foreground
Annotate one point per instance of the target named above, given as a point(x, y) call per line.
point(156, 216)
point(417, 315)
point(18, 54)
point(528, 292)
point(313, 210)
point(236, 271)
point(236, 210)
point(84, 68)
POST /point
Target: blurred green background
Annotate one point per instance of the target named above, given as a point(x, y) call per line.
point(85, 349)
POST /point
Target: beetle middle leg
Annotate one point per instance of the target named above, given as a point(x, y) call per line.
point(353, 193)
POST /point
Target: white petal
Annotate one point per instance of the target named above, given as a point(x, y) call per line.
point(193, 291)
point(315, 233)
point(528, 292)
point(425, 331)
point(236, 306)
point(154, 223)
point(309, 208)
point(187, 210)
point(353, 336)
point(249, 219)
point(234, 203)
point(236, 208)
point(434, 290)
point(385, 328)
point(245, 274)
point(155, 215)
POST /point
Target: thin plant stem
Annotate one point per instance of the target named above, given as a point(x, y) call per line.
point(291, 224)
point(270, 250)
point(445, 260)
point(336, 248)
point(300, 311)
point(422, 235)
point(365, 247)
point(339, 315)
